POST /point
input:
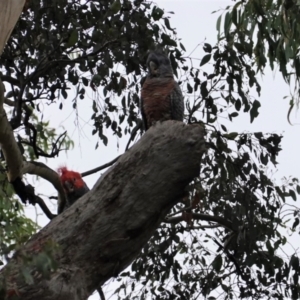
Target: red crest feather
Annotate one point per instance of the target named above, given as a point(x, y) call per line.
point(68, 175)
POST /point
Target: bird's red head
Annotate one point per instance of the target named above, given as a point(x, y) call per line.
point(70, 180)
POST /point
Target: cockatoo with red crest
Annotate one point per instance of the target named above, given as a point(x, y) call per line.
point(73, 185)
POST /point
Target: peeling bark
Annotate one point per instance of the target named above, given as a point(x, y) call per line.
point(104, 231)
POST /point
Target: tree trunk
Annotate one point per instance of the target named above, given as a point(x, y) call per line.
point(10, 11)
point(104, 231)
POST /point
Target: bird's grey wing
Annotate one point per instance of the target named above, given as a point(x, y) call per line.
point(177, 103)
point(145, 125)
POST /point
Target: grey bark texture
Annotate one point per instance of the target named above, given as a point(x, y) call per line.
point(104, 231)
point(10, 11)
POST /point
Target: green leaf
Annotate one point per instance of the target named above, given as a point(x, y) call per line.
point(293, 195)
point(254, 110)
point(182, 47)
point(258, 135)
point(85, 81)
point(238, 104)
point(167, 23)
point(270, 248)
point(223, 128)
point(240, 47)
point(233, 115)
point(227, 23)
point(264, 159)
point(116, 7)
point(73, 39)
point(290, 110)
point(167, 40)
point(296, 223)
point(219, 24)
point(64, 94)
point(217, 263)
point(234, 16)
point(157, 13)
point(231, 135)
point(207, 47)
point(206, 58)
point(294, 262)
point(189, 88)
point(225, 287)
point(203, 88)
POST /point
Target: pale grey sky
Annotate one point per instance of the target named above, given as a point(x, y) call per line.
point(195, 24)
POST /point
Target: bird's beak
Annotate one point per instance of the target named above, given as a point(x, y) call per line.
point(69, 187)
point(166, 71)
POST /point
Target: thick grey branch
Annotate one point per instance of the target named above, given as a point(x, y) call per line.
point(103, 232)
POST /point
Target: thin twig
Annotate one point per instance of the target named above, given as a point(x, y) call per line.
point(100, 168)
point(205, 226)
point(179, 211)
point(203, 217)
point(101, 294)
point(132, 136)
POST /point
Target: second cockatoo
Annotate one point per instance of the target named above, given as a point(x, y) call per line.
point(73, 185)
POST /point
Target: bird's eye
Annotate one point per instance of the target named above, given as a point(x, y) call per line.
point(153, 65)
point(74, 179)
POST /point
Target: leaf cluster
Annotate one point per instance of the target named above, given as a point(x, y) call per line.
point(267, 32)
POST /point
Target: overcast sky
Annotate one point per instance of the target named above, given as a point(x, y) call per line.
point(194, 24)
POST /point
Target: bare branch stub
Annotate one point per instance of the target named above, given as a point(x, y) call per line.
point(132, 136)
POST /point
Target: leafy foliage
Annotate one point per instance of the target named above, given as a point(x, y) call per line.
point(15, 228)
point(97, 45)
point(267, 32)
point(233, 212)
point(225, 236)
